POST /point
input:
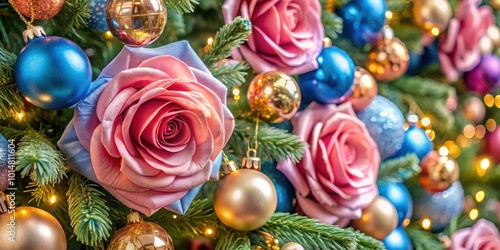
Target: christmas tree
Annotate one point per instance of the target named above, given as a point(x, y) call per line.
point(249, 124)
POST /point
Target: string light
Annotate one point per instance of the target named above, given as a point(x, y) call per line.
point(209, 231)
point(426, 121)
point(426, 224)
point(388, 15)
point(491, 125)
point(469, 131)
point(482, 165)
point(108, 34)
point(453, 148)
point(479, 196)
point(489, 100)
point(174, 216)
point(53, 199)
point(435, 31)
point(473, 214)
point(497, 101)
point(210, 41)
point(431, 134)
point(406, 222)
point(443, 151)
point(480, 131)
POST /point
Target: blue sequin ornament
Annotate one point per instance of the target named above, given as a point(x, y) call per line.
point(332, 81)
point(439, 207)
point(384, 122)
point(97, 19)
point(284, 189)
point(415, 141)
point(52, 72)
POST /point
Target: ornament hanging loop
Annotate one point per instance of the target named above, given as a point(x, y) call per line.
point(29, 24)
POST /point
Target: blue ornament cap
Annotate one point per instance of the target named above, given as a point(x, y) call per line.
point(53, 72)
point(332, 81)
point(398, 239)
point(415, 141)
point(384, 122)
point(363, 20)
point(284, 189)
point(97, 19)
point(439, 207)
point(400, 197)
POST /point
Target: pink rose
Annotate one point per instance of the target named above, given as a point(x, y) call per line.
point(153, 131)
point(336, 178)
point(459, 47)
point(482, 236)
point(286, 34)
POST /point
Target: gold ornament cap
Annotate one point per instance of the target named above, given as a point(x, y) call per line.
point(229, 167)
point(134, 217)
point(4, 203)
point(31, 33)
point(251, 161)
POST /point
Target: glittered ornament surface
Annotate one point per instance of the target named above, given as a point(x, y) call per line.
point(439, 207)
point(284, 189)
point(97, 19)
point(43, 9)
point(400, 197)
point(388, 59)
point(364, 89)
point(4, 151)
point(385, 124)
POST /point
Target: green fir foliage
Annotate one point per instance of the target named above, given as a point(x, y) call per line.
point(423, 240)
point(10, 100)
point(181, 6)
point(398, 169)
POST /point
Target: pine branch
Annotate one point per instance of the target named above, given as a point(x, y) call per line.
point(332, 24)
point(423, 240)
point(175, 26)
point(181, 6)
point(10, 100)
point(229, 36)
point(40, 193)
point(234, 240)
point(231, 74)
point(458, 222)
point(367, 242)
point(73, 16)
point(38, 157)
point(419, 86)
point(274, 144)
point(398, 169)
point(88, 211)
point(12, 133)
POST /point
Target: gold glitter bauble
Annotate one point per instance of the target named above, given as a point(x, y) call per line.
point(31, 228)
point(245, 199)
point(438, 172)
point(388, 60)
point(378, 219)
point(430, 14)
point(43, 9)
point(274, 96)
point(364, 89)
point(136, 22)
point(141, 235)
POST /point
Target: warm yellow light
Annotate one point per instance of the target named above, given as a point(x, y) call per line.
point(388, 15)
point(473, 214)
point(426, 121)
point(236, 91)
point(108, 34)
point(469, 131)
point(443, 151)
point(480, 131)
point(463, 142)
point(53, 199)
point(435, 31)
point(489, 100)
point(209, 231)
point(174, 216)
point(491, 125)
point(485, 163)
point(431, 134)
point(497, 101)
point(426, 224)
point(20, 116)
point(479, 196)
point(210, 41)
point(406, 222)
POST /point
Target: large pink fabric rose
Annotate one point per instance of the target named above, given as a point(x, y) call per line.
point(482, 236)
point(286, 34)
point(336, 178)
point(153, 132)
point(459, 47)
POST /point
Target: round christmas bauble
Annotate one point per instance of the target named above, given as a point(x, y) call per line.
point(485, 77)
point(493, 33)
point(43, 9)
point(492, 144)
point(415, 141)
point(486, 45)
point(474, 109)
point(398, 240)
point(362, 20)
point(53, 72)
point(378, 219)
point(30, 229)
point(4, 152)
point(388, 59)
point(400, 197)
point(136, 23)
point(331, 82)
point(385, 124)
point(363, 90)
point(495, 4)
point(439, 207)
point(438, 172)
point(292, 246)
point(274, 96)
point(284, 189)
point(430, 14)
point(97, 19)
point(245, 199)
point(140, 235)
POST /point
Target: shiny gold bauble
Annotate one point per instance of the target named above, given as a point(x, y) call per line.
point(141, 235)
point(363, 90)
point(136, 22)
point(474, 109)
point(245, 199)
point(486, 45)
point(43, 9)
point(495, 4)
point(378, 219)
point(430, 14)
point(388, 59)
point(31, 228)
point(438, 174)
point(274, 96)
point(271, 242)
point(292, 246)
point(493, 33)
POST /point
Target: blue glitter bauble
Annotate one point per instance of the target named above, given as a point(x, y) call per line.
point(4, 170)
point(385, 124)
point(53, 72)
point(439, 207)
point(331, 82)
point(284, 189)
point(415, 141)
point(397, 240)
point(400, 197)
point(363, 20)
point(97, 19)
